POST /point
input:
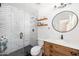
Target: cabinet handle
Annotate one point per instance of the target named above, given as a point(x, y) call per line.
point(75, 54)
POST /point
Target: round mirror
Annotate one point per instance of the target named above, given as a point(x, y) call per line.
point(65, 21)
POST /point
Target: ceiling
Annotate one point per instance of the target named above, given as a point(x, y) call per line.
point(31, 8)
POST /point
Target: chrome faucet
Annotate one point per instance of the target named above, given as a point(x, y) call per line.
point(62, 37)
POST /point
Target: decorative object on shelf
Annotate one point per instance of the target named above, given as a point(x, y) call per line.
point(40, 21)
point(41, 24)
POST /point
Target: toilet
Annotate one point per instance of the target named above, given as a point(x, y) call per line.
point(37, 50)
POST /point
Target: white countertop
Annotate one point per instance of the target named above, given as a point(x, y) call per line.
point(72, 44)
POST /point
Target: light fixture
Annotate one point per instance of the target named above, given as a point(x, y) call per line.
point(61, 5)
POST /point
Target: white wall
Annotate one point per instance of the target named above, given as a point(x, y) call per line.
point(49, 12)
point(33, 35)
point(31, 8)
point(12, 22)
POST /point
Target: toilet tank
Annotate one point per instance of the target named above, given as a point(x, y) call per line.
point(40, 42)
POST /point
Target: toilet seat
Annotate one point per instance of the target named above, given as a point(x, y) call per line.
point(35, 50)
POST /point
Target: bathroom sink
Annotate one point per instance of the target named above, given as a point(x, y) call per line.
point(68, 43)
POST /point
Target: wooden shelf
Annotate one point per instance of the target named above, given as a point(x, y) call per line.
point(40, 22)
point(41, 19)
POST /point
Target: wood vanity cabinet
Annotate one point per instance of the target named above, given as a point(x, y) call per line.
point(51, 49)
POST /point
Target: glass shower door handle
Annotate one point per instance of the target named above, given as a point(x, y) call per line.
point(21, 35)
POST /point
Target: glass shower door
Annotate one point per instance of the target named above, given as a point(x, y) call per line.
point(17, 29)
point(4, 29)
point(11, 31)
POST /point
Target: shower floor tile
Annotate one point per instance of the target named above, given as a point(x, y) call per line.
point(22, 52)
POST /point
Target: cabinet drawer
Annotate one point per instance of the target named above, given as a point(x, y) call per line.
point(65, 50)
point(61, 49)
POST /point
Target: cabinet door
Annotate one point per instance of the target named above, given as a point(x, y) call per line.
point(47, 49)
point(61, 49)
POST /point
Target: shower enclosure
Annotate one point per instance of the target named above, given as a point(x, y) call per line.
point(14, 30)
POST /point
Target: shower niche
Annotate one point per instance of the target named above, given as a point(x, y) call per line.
point(64, 21)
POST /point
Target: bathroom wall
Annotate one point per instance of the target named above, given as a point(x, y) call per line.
point(33, 32)
point(12, 22)
point(48, 33)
